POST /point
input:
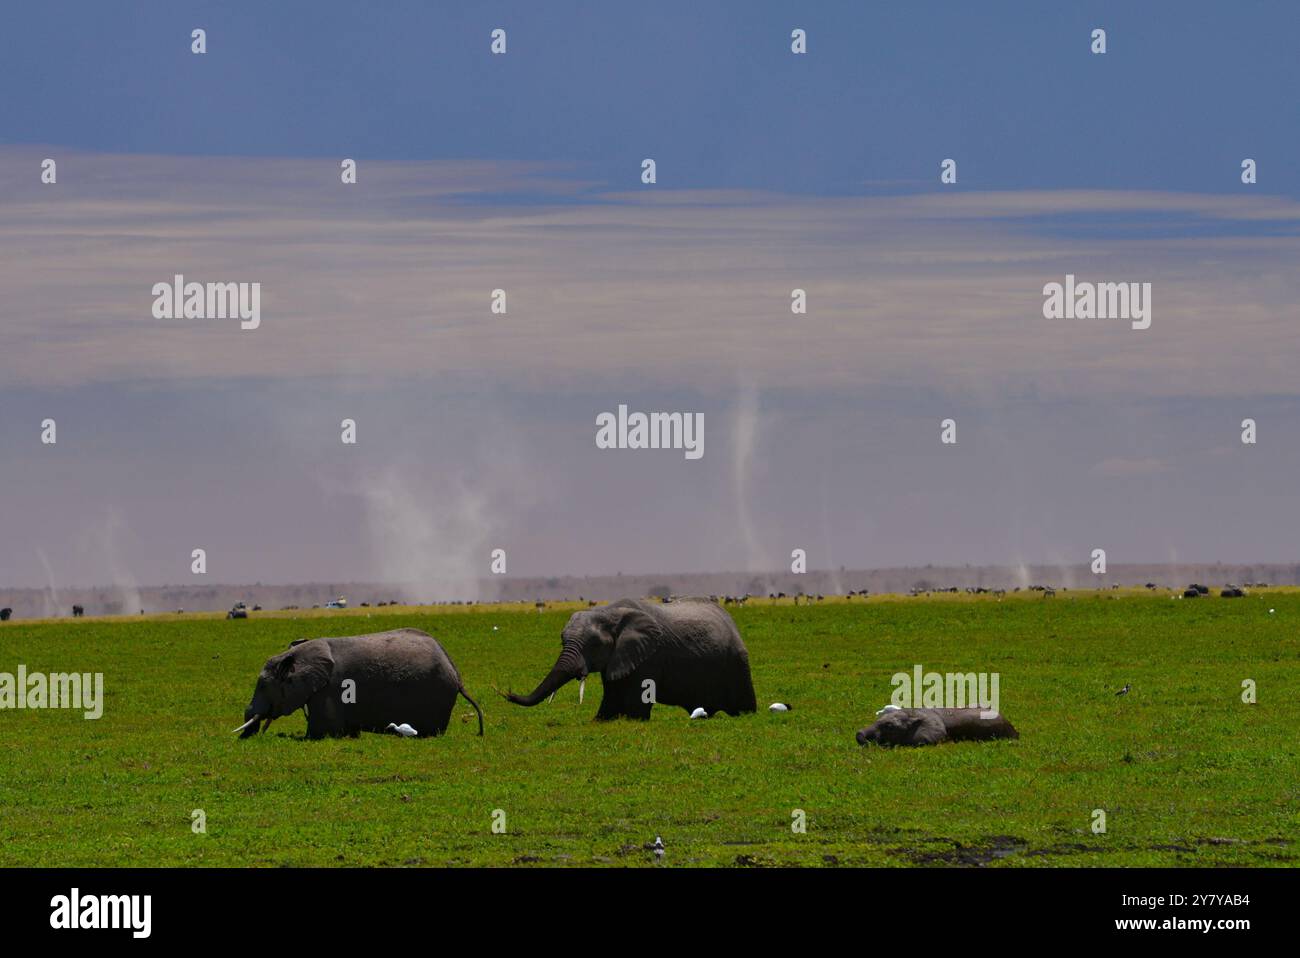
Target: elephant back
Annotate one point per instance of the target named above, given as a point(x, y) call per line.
point(693, 618)
point(396, 654)
point(970, 725)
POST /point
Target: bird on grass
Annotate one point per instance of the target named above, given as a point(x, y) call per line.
point(659, 850)
point(1124, 690)
point(403, 730)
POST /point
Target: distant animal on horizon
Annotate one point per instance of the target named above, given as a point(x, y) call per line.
point(78, 611)
point(399, 677)
point(5, 613)
point(687, 653)
point(932, 726)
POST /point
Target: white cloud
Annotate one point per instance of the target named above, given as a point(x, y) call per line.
point(391, 278)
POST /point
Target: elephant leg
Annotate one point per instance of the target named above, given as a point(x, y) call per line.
point(436, 723)
point(444, 712)
point(740, 687)
point(747, 701)
point(723, 690)
point(323, 716)
point(609, 707)
point(635, 705)
point(623, 700)
point(636, 709)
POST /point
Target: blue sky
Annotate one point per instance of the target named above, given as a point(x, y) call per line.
point(709, 89)
point(521, 171)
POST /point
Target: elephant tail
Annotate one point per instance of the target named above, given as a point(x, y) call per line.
point(476, 708)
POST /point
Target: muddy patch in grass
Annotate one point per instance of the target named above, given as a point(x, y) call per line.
point(990, 849)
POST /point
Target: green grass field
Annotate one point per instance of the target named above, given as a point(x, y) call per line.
point(1186, 773)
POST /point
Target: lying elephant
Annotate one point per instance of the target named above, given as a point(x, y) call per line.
point(400, 676)
point(932, 726)
point(689, 649)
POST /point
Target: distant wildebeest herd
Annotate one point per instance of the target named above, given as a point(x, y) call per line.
point(240, 610)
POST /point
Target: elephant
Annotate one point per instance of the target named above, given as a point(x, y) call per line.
point(398, 676)
point(689, 648)
point(932, 726)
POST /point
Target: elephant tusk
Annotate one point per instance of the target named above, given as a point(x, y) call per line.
point(550, 698)
point(582, 688)
point(253, 720)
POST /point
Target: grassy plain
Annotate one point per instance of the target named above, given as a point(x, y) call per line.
point(1186, 773)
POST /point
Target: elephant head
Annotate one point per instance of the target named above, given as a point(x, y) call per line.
point(287, 681)
point(904, 727)
point(613, 640)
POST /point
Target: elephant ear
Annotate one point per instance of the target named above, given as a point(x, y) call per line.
point(927, 729)
point(637, 636)
point(898, 728)
point(302, 673)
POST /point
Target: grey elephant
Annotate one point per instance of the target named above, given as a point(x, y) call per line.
point(403, 676)
point(932, 726)
point(689, 649)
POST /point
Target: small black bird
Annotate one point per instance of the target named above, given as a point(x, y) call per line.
point(1124, 690)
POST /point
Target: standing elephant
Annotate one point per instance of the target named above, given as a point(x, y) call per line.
point(932, 726)
point(689, 648)
point(397, 677)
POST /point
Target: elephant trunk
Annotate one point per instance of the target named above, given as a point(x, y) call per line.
point(570, 665)
point(257, 710)
point(249, 727)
